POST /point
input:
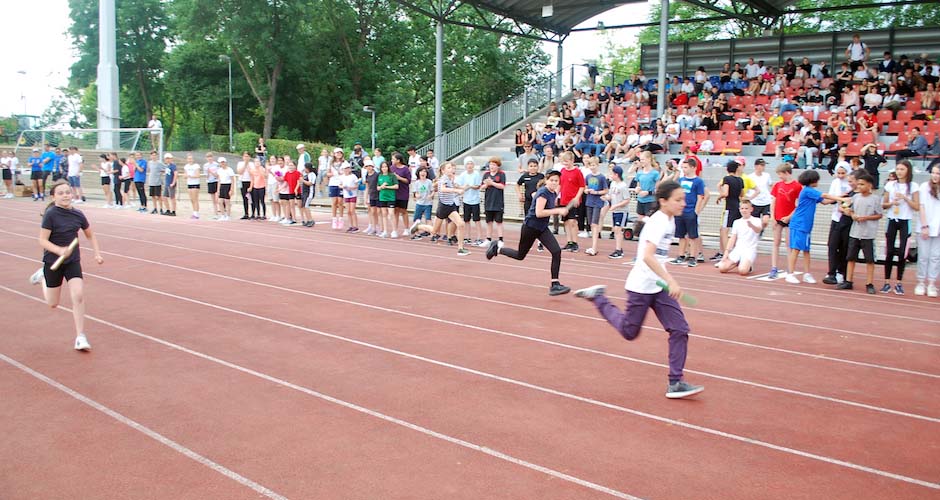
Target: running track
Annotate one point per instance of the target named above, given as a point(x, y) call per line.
point(248, 360)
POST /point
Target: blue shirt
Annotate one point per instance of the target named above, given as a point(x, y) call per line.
point(139, 176)
point(170, 170)
point(693, 187)
point(35, 164)
point(540, 223)
point(802, 219)
point(470, 196)
point(647, 182)
point(47, 166)
point(597, 183)
point(588, 133)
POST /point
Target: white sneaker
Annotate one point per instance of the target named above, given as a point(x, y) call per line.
point(584, 234)
point(383, 235)
point(81, 343)
point(393, 235)
point(591, 292)
point(931, 290)
point(808, 278)
point(920, 290)
point(8, 195)
point(839, 278)
point(481, 243)
point(792, 279)
point(36, 278)
point(590, 251)
point(284, 222)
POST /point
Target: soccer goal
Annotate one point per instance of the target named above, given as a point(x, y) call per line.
point(118, 140)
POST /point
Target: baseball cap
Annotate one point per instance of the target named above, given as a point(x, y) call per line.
point(222, 159)
point(300, 146)
point(346, 165)
point(618, 171)
point(468, 160)
point(168, 155)
point(35, 150)
point(760, 161)
point(338, 150)
point(368, 162)
point(740, 160)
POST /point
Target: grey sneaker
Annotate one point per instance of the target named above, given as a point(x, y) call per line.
point(36, 278)
point(682, 389)
point(591, 292)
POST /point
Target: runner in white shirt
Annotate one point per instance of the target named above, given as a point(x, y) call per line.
point(226, 176)
point(75, 174)
point(193, 172)
point(643, 292)
point(741, 251)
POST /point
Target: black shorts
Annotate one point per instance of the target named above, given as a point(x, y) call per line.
point(494, 216)
point(730, 215)
point(68, 271)
point(644, 207)
point(782, 224)
point(760, 211)
point(155, 190)
point(225, 191)
point(213, 187)
point(444, 211)
point(867, 248)
point(572, 214)
point(374, 202)
point(401, 204)
point(35, 175)
point(7, 174)
point(105, 181)
point(288, 196)
point(471, 212)
point(387, 204)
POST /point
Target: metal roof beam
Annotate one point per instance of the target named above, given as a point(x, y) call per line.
point(713, 7)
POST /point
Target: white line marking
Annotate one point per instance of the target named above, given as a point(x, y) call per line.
point(352, 406)
point(594, 402)
point(156, 436)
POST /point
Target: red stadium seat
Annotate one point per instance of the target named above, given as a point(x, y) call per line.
point(895, 127)
point(845, 136)
point(853, 149)
point(770, 148)
point(865, 137)
point(905, 115)
point(884, 116)
point(747, 136)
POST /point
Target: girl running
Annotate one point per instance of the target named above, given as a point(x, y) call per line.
point(535, 227)
point(900, 201)
point(60, 225)
point(644, 293)
point(446, 208)
point(192, 171)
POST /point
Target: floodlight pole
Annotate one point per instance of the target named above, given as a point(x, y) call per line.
point(663, 41)
point(439, 90)
point(109, 109)
point(558, 75)
point(231, 139)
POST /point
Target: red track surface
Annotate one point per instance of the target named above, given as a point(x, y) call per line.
point(244, 359)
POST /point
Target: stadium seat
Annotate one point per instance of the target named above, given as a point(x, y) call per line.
point(912, 105)
point(715, 135)
point(853, 149)
point(897, 146)
point(845, 137)
point(787, 116)
point(732, 136)
point(884, 116)
point(770, 148)
point(933, 126)
point(865, 137)
point(825, 83)
point(895, 127)
point(747, 136)
point(762, 100)
point(915, 123)
point(796, 83)
point(701, 135)
point(905, 115)
point(824, 115)
point(727, 125)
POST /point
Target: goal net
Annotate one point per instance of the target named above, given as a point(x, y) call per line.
point(120, 140)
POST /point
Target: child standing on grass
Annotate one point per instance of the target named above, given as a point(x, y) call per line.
point(784, 193)
point(618, 194)
point(801, 224)
point(643, 292)
point(61, 223)
point(928, 262)
point(865, 212)
point(595, 188)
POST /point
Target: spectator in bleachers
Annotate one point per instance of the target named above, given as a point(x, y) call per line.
point(701, 77)
point(928, 99)
point(519, 138)
point(931, 72)
point(830, 149)
point(893, 101)
point(813, 102)
point(789, 69)
point(857, 52)
point(916, 145)
point(888, 64)
point(819, 71)
point(548, 160)
point(802, 70)
point(809, 144)
point(866, 124)
point(843, 78)
point(873, 100)
point(752, 70)
point(528, 153)
point(641, 97)
point(724, 76)
point(617, 96)
point(553, 118)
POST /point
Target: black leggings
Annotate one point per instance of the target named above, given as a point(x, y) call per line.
point(257, 203)
point(527, 238)
point(245, 186)
point(895, 226)
point(141, 194)
point(839, 246)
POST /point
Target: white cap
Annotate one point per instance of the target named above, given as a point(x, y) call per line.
point(368, 162)
point(222, 159)
point(338, 150)
point(468, 160)
point(168, 155)
point(300, 146)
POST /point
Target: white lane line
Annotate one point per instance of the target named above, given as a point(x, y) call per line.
point(594, 402)
point(480, 299)
point(156, 436)
point(352, 406)
point(463, 275)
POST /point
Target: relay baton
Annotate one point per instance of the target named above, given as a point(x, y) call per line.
point(685, 298)
point(68, 251)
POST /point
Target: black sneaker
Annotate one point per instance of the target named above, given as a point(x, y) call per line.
point(245, 217)
point(717, 257)
point(452, 241)
point(558, 289)
point(845, 285)
point(574, 247)
point(539, 248)
point(829, 280)
point(153, 212)
point(492, 250)
point(611, 235)
point(691, 262)
point(870, 288)
point(435, 238)
point(679, 260)
point(616, 254)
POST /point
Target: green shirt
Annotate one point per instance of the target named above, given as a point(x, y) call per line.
point(387, 180)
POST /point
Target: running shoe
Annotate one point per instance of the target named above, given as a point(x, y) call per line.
point(573, 248)
point(394, 234)
point(558, 289)
point(898, 289)
point(590, 251)
point(682, 389)
point(36, 278)
point(616, 254)
point(245, 217)
point(808, 278)
point(830, 280)
point(463, 251)
point(679, 260)
point(414, 227)
point(692, 263)
point(383, 234)
point(845, 285)
point(886, 288)
point(870, 289)
point(790, 278)
point(81, 343)
point(932, 291)
point(481, 243)
point(920, 290)
point(773, 273)
point(591, 292)
point(539, 248)
point(435, 238)
point(717, 257)
point(584, 234)
point(492, 250)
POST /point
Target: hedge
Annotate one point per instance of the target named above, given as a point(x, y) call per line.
point(246, 141)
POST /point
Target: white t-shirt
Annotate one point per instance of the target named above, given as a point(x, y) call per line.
point(312, 179)
point(337, 171)
point(746, 243)
point(14, 162)
point(619, 191)
point(274, 175)
point(212, 172)
point(125, 171)
point(155, 124)
point(104, 168)
point(245, 176)
point(434, 163)
point(413, 162)
point(4, 163)
point(226, 174)
point(75, 165)
point(931, 211)
point(192, 173)
point(752, 70)
point(762, 182)
point(902, 211)
point(857, 50)
point(658, 231)
point(838, 188)
point(350, 185)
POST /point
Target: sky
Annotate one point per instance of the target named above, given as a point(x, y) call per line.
point(31, 73)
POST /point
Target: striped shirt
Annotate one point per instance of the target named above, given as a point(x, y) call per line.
point(446, 198)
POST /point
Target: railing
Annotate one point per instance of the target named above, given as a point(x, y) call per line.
point(497, 118)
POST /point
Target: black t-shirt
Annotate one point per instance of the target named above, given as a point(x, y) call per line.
point(735, 187)
point(530, 182)
point(64, 224)
point(617, 96)
point(493, 200)
point(372, 184)
point(540, 223)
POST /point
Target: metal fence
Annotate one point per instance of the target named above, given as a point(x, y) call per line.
point(506, 113)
